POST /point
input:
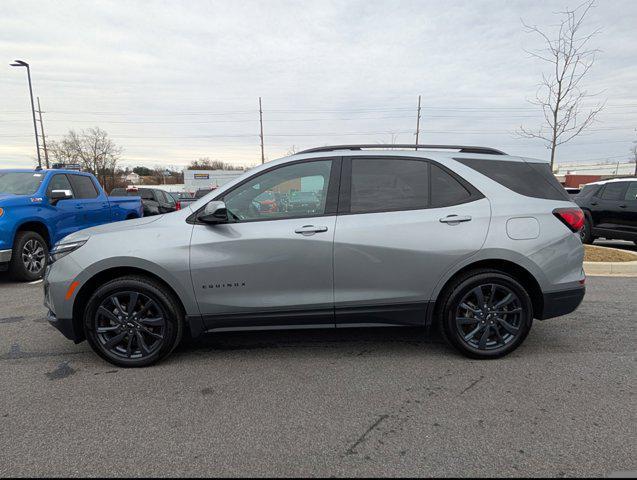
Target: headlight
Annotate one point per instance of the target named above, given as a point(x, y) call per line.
point(63, 249)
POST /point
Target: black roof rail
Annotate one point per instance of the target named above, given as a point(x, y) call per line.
point(460, 148)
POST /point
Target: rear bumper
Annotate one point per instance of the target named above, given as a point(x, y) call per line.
point(561, 303)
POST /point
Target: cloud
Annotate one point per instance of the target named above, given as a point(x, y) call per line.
point(173, 81)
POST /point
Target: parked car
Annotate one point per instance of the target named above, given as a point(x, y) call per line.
point(154, 200)
point(572, 191)
point(40, 207)
point(472, 239)
point(303, 201)
point(202, 192)
point(181, 198)
point(610, 209)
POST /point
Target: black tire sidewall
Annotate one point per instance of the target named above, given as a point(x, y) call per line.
point(587, 235)
point(16, 265)
point(457, 292)
point(155, 291)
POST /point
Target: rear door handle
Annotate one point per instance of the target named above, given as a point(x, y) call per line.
point(455, 219)
point(623, 205)
point(594, 204)
point(79, 207)
point(308, 230)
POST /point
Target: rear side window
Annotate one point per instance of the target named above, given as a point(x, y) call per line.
point(446, 190)
point(380, 185)
point(83, 187)
point(526, 178)
point(587, 191)
point(614, 191)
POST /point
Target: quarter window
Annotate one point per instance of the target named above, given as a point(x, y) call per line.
point(83, 186)
point(389, 184)
point(298, 190)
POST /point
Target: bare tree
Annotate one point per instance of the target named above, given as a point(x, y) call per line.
point(292, 151)
point(92, 149)
point(206, 163)
point(560, 94)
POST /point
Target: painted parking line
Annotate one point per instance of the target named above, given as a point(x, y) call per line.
point(36, 282)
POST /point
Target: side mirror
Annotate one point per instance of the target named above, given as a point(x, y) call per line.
point(57, 195)
point(213, 213)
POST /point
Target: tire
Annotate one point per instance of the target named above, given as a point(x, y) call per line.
point(29, 258)
point(504, 332)
point(138, 340)
point(586, 233)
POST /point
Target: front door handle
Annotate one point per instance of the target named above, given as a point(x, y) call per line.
point(623, 205)
point(308, 230)
point(455, 219)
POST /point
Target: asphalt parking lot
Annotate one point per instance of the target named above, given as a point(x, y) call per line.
point(330, 403)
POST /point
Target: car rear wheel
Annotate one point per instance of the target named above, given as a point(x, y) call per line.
point(586, 232)
point(29, 258)
point(133, 322)
point(486, 314)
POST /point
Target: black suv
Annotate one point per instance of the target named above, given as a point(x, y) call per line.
point(610, 208)
point(154, 200)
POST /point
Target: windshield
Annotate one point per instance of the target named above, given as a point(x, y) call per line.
point(20, 183)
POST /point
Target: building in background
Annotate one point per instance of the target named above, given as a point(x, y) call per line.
point(577, 174)
point(202, 179)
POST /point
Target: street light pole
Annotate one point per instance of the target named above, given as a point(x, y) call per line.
point(20, 63)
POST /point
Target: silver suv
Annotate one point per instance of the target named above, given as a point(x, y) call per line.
point(469, 238)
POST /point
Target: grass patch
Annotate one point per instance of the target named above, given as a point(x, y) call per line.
point(604, 254)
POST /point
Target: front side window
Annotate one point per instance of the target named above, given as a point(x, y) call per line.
point(83, 187)
point(631, 193)
point(59, 182)
point(614, 191)
point(386, 184)
point(298, 190)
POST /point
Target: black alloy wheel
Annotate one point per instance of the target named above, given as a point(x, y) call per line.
point(485, 313)
point(133, 321)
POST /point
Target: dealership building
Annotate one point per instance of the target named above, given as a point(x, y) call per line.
point(196, 179)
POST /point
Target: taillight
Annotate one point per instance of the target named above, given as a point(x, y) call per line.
point(572, 217)
point(178, 206)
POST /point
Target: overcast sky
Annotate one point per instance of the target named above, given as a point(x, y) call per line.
point(175, 81)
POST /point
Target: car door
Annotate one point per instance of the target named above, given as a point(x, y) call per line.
point(605, 207)
point(628, 212)
point(402, 223)
point(94, 207)
point(269, 267)
point(66, 213)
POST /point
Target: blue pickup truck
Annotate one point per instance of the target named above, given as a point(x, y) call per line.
point(40, 207)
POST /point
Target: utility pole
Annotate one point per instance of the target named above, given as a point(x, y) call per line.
point(261, 124)
point(418, 123)
point(46, 152)
point(21, 63)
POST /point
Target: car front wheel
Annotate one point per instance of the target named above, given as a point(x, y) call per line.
point(486, 314)
point(29, 257)
point(133, 322)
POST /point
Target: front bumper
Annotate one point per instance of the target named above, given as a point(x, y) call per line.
point(66, 326)
point(5, 256)
point(561, 303)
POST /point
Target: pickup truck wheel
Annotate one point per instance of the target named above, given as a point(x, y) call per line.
point(29, 258)
point(133, 322)
point(486, 314)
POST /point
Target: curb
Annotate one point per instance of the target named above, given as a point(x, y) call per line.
point(616, 269)
point(619, 269)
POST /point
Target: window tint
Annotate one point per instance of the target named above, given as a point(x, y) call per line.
point(446, 190)
point(298, 190)
point(389, 184)
point(614, 191)
point(145, 193)
point(83, 187)
point(59, 182)
point(631, 193)
point(526, 178)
